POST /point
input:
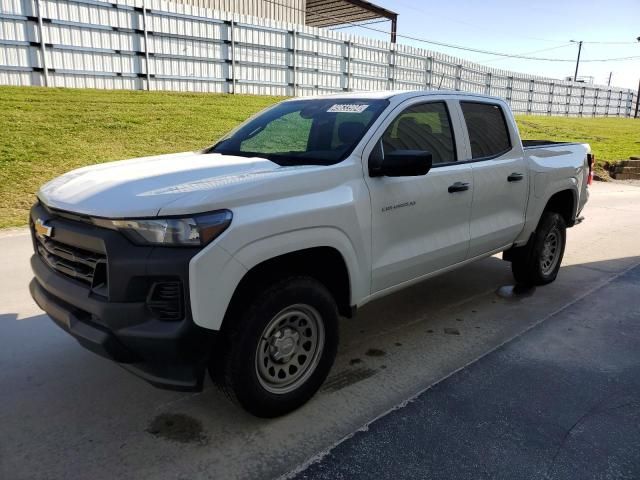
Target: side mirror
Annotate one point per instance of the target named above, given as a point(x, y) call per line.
point(402, 163)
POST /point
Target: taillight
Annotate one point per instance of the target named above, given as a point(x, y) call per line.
point(591, 160)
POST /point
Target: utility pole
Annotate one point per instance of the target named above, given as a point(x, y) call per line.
point(638, 95)
point(609, 82)
point(637, 101)
point(575, 75)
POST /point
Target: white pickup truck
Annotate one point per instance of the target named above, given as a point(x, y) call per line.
point(240, 258)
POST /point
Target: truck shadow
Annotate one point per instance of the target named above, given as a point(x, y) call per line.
point(434, 324)
point(415, 304)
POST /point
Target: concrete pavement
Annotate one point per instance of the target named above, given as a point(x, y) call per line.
point(65, 413)
point(561, 401)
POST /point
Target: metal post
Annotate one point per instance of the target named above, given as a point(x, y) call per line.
point(295, 53)
point(595, 102)
point(394, 29)
point(582, 95)
point(458, 83)
point(348, 85)
point(637, 100)
point(428, 73)
point(43, 52)
point(530, 97)
point(575, 75)
point(390, 68)
point(552, 87)
point(609, 82)
point(146, 44)
point(608, 103)
point(233, 55)
point(487, 82)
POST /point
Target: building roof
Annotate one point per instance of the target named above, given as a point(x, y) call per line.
point(329, 13)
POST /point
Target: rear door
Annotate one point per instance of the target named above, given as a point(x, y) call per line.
point(500, 176)
point(419, 224)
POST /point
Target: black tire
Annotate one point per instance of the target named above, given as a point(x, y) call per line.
point(237, 371)
point(528, 263)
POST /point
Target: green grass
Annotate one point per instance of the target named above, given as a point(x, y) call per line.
point(611, 139)
point(46, 132)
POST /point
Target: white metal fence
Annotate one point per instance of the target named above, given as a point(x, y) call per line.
point(157, 45)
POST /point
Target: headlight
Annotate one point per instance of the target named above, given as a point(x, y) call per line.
point(194, 231)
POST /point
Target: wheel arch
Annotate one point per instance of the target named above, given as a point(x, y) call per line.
point(563, 203)
point(216, 274)
point(323, 263)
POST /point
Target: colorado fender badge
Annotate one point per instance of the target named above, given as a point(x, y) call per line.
point(43, 229)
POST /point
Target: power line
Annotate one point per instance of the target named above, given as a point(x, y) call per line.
point(450, 45)
point(618, 59)
point(528, 53)
point(338, 27)
point(611, 43)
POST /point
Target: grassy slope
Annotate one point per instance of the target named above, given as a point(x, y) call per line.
point(611, 139)
point(45, 132)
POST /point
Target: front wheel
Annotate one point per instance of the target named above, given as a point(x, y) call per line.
point(538, 262)
point(279, 348)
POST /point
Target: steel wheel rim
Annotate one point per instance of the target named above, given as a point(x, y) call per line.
point(550, 251)
point(289, 348)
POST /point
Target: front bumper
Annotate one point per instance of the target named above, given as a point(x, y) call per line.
point(118, 323)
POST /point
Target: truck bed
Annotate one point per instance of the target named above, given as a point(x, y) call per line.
point(543, 143)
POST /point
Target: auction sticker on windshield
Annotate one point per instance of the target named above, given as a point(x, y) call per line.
point(347, 108)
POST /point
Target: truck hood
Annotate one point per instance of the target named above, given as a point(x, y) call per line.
point(144, 187)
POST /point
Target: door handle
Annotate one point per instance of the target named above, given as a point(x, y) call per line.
point(515, 177)
point(458, 187)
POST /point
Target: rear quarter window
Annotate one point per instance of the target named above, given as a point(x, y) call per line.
point(487, 127)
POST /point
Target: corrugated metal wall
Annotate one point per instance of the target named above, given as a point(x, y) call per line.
point(159, 45)
point(289, 11)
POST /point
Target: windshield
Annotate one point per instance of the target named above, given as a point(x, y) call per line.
point(303, 132)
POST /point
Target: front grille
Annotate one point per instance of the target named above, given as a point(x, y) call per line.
point(79, 264)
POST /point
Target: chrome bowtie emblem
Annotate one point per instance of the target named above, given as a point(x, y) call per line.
point(43, 229)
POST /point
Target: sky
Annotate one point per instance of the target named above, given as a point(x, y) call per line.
point(518, 27)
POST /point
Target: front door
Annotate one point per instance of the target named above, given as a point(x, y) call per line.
point(419, 224)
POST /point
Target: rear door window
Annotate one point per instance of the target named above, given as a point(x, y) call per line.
point(487, 127)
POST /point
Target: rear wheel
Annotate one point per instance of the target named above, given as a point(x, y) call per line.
point(280, 347)
point(539, 261)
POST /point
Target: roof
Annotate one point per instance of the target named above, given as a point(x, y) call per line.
point(328, 13)
point(399, 94)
